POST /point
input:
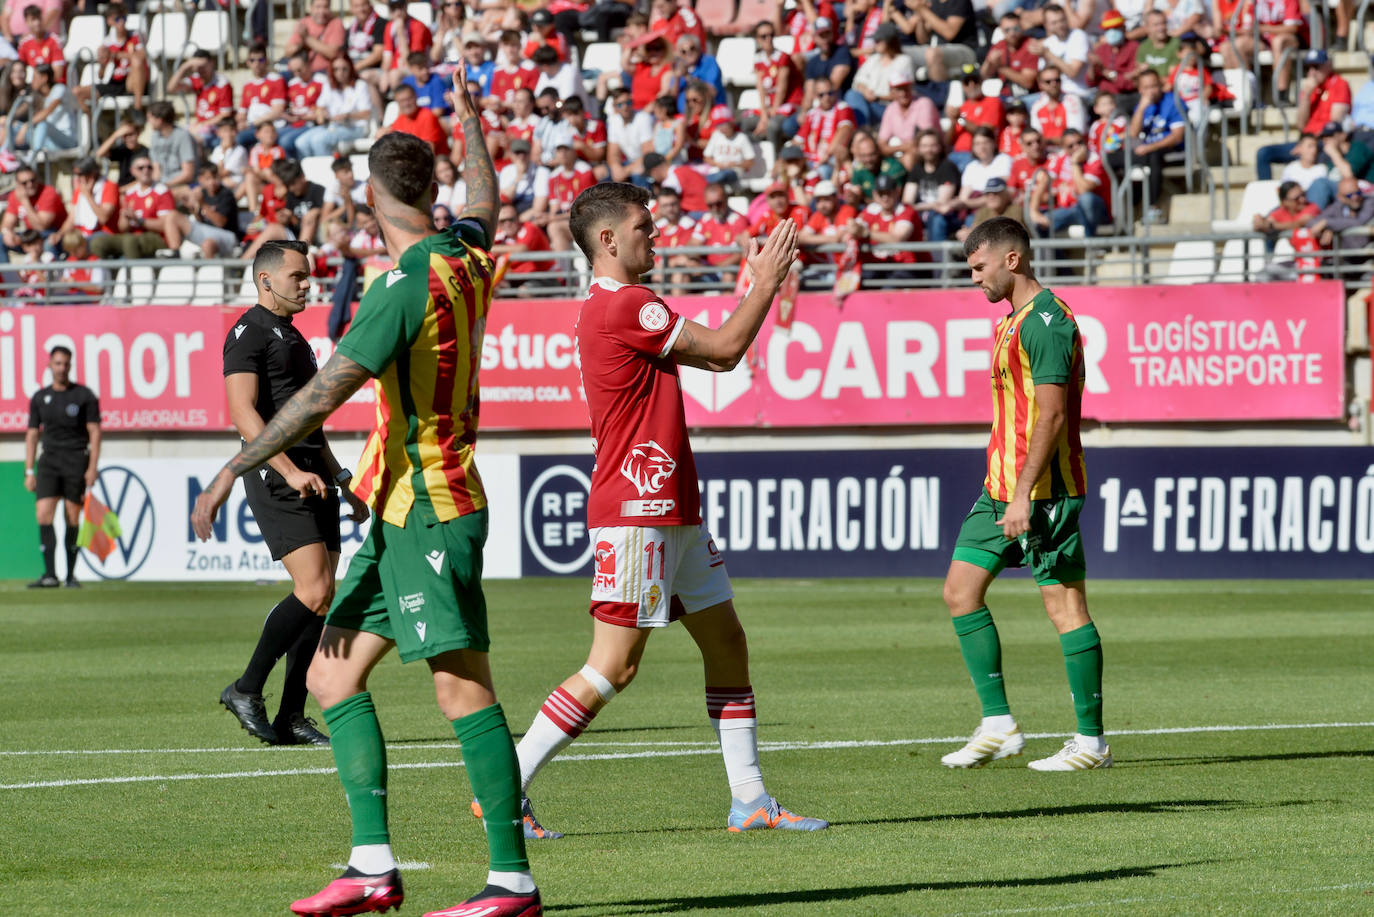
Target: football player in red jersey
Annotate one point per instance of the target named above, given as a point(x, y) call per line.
point(655, 561)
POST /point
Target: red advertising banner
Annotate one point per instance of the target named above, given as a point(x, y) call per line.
point(1201, 353)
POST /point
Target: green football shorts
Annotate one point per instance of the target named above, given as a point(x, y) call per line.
point(1053, 548)
point(419, 585)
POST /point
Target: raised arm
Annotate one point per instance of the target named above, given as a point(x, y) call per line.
point(720, 349)
point(478, 172)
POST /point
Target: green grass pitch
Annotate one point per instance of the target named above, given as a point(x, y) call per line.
point(126, 790)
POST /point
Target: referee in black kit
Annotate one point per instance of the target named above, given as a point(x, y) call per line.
point(68, 416)
point(266, 361)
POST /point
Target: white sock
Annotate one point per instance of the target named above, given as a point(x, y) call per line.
point(522, 883)
point(1096, 744)
point(372, 859)
point(733, 718)
point(1003, 722)
point(558, 722)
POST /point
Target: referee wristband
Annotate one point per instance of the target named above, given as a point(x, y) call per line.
point(343, 477)
point(28, 472)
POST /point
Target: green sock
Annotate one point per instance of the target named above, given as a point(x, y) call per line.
point(1083, 662)
point(982, 651)
point(360, 755)
point(494, 771)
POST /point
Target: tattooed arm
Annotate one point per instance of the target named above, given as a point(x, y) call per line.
point(330, 387)
point(478, 172)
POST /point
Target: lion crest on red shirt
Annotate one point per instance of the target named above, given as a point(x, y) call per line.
point(648, 467)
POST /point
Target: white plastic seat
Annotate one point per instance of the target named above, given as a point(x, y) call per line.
point(393, 111)
point(749, 100)
point(422, 11)
point(141, 282)
point(1236, 260)
point(319, 169)
point(176, 285)
point(360, 168)
point(736, 59)
point(210, 32)
point(1192, 262)
point(167, 36)
point(1260, 197)
point(209, 285)
point(84, 35)
point(602, 56)
point(787, 44)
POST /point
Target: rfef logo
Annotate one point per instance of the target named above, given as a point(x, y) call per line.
point(555, 519)
point(605, 566)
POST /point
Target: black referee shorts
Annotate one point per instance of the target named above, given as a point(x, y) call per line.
point(287, 521)
point(62, 474)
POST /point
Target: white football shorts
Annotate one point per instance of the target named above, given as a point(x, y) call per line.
point(650, 577)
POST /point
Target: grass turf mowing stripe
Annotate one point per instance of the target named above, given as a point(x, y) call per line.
point(704, 749)
point(1166, 730)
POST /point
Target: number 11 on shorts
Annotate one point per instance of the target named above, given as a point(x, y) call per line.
point(649, 549)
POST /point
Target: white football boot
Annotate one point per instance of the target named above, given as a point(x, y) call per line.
point(1074, 757)
point(985, 746)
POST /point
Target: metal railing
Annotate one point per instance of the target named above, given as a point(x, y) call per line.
point(1065, 261)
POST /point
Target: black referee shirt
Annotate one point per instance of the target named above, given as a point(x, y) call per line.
point(63, 416)
point(270, 347)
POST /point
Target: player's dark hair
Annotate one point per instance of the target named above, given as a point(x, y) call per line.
point(60, 349)
point(272, 254)
point(598, 205)
point(999, 232)
point(403, 165)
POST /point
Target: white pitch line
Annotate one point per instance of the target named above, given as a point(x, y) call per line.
point(656, 752)
point(937, 740)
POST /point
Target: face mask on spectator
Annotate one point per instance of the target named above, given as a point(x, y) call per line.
point(1114, 37)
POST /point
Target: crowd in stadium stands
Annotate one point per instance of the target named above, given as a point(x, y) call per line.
point(880, 122)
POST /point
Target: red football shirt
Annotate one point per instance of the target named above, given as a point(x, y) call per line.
point(880, 222)
point(986, 112)
point(566, 184)
point(104, 193)
point(534, 240)
point(1021, 171)
point(120, 51)
point(769, 72)
point(301, 96)
point(819, 127)
point(645, 473)
point(48, 201)
point(1061, 178)
point(504, 82)
point(765, 224)
point(722, 232)
point(215, 99)
point(48, 50)
point(416, 31)
point(257, 96)
point(148, 203)
point(1333, 90)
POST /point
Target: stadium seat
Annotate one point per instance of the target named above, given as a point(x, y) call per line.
point(176, 285)
point(119, 291)
point(750, 14)
point(992, 88)
point(141, 282)
point(1260, 197)
point(602, 56)
point(360, 169)
point(787, 44)
point(422, 11)
point(736, 59)
point(763, 166)
point(1236, 261)
point(716, 15)
point(392, 112)
point(749, 100)
point(210, 32)
point(84, 34)
point(209, 285)
point(1192, 262)
point(167, 36)
point(319, 169)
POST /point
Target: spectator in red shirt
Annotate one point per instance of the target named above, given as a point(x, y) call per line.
point(542, 33)
point(1323, 97)
point(827, 225)
point(653, 76)
point(302, 93)
point(40, 46)
point(516, 236)
point(1294, 211)
point(321, 34)
point(568, 178)
point(1012, 59)
point(686, 181)
point(1034, 157)
point(675, 20)
point(31, 205)
point(1074, 194)
point(144, 223)
point(780, 207)
point(723, 227)
point(977, 110)
point(888, 220)
point(1111, 64)
point(675, 230)
point(263, 98)
point(403, 35)
point(1280, 25)
point(124, 50)
point(779, 84)
point(214, 95)
point(826, 130)
point(422, 122)
point(95, 201)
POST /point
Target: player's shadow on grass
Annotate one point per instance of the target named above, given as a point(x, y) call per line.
point(1179, 760)
point(743, 903)
point(1156, 807)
